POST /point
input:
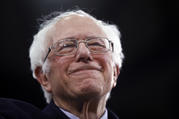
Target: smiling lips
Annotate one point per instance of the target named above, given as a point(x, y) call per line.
point(84, 67)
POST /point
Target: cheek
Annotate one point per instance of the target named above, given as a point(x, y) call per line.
point(107, 63)
point(61, 64)
point(108, 74)
point(58, 69)
point(58, 75)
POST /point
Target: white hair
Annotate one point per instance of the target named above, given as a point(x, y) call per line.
point(39, 46)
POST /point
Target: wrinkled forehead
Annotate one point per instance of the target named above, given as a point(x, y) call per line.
point(76, 26)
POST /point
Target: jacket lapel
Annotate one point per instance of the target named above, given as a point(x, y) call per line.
point(53, 112)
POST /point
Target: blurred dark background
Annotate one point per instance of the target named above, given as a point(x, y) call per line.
point(147, 85)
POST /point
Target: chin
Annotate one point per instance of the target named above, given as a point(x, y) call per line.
point(89, 96)
point(91, 91)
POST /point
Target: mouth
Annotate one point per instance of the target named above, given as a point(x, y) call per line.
point(85, 69)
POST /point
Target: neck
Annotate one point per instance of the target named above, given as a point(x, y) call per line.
point(84, 109)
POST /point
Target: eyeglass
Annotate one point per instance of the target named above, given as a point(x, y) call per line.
point(68, 46)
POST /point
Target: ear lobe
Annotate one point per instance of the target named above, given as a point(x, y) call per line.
point(38, 72)
point(42, 79)
point(116, 74)
point(117, 71)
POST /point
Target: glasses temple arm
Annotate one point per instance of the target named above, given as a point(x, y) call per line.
point(47, 54)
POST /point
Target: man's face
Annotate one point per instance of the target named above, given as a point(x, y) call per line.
point(82, 74)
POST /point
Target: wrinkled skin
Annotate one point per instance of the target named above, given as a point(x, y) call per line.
point(79, 83)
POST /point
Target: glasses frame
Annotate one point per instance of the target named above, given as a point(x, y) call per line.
point(111, 45)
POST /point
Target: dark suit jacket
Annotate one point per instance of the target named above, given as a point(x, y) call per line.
point(15, 109)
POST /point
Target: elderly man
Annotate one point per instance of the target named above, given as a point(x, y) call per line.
point(76, 59)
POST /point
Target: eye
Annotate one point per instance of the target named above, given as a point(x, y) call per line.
point(65, 47)
point(68, 45)
point(96, 43)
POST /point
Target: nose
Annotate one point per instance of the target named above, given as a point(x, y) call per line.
point(83, 54)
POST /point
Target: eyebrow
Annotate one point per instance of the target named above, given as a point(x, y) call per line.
point(74, 37)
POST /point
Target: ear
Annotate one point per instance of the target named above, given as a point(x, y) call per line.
point(116, 74)
point(42, 79)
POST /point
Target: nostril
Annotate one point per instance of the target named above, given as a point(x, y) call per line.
point(84, 59)
point(83, 54)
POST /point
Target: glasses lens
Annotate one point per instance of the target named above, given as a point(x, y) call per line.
point(98, 45)
point(64, 47)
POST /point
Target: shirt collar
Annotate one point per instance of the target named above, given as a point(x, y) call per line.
point(72, 116)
